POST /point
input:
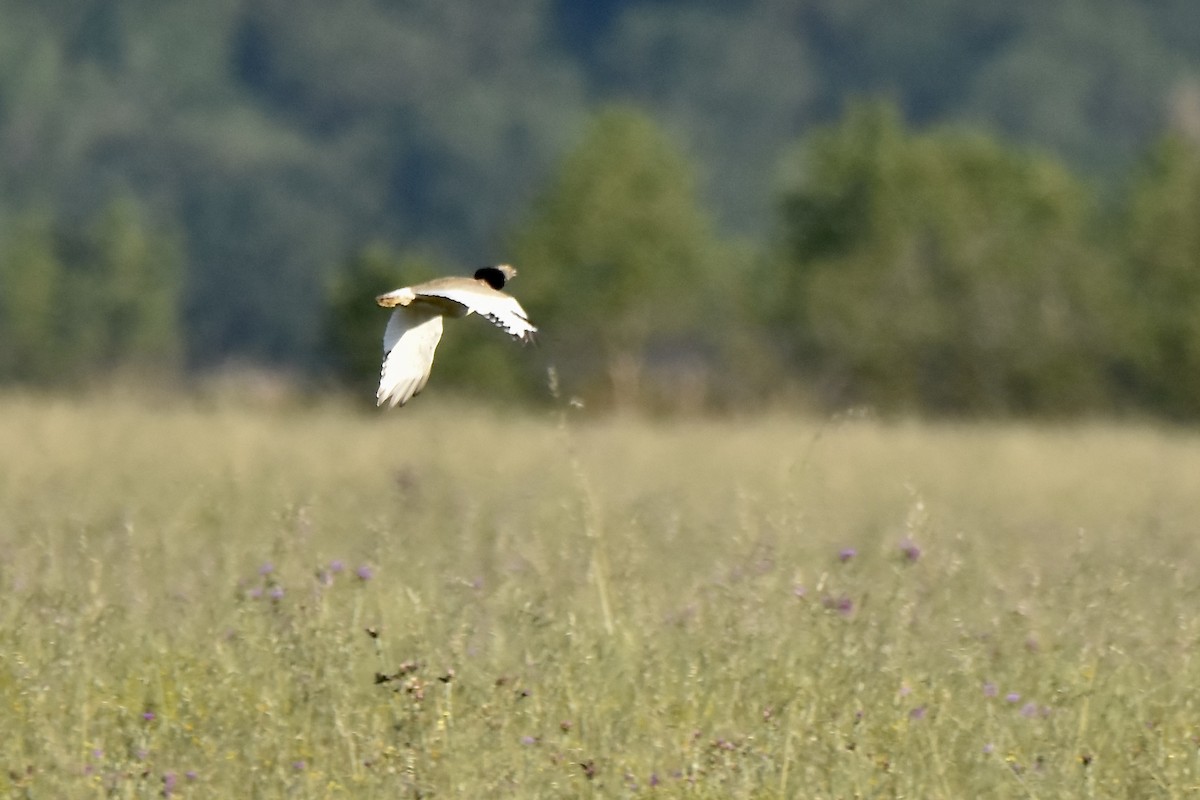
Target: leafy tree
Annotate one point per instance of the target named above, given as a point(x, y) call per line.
point(1163, 278)
point(617, 256)
point(130, 291)
point(942, 272)
point(31, 278)
point(75, 305)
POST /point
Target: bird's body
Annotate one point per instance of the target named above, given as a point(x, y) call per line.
point(415, 327)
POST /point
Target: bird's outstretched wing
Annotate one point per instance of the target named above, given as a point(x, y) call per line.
point(501, 309)
point(412, 335)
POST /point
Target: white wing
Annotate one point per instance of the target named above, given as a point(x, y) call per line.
point(500, 309)
point(409, 341)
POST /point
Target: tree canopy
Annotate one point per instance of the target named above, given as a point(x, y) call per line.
point(618, 253)
point(1163, 279)
point(77, 304)
point(941, 271)
point(962, 253)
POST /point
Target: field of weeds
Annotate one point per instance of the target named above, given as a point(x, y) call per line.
point(313, 602)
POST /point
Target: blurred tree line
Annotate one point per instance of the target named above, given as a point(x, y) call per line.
point(730, 231)
point(935, 271)
point(81, 301)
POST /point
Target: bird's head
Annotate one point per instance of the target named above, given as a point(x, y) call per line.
point(496, 276)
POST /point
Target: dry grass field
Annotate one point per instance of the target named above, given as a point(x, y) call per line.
point(206, 601)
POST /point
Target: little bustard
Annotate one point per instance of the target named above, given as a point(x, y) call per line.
point(415, 327)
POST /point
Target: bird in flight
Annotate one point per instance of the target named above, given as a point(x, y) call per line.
point(415, 327)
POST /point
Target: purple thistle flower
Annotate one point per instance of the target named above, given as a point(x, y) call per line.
point(988, 749)
point(990, 690)
point(191, 775)
point(255, 593)
point(148, 716)
point(276, 593)
point(917, 713)
point(336, 566)
point(910, 550)
point(1029, 710)
point(654, 780)
point(1013, 697)
point(97, 752)
point(843, 604)
point(364, 573)
point(266, 569)
point(300, 765)
point(169, 780)
point(846, 553)
point(528, 740)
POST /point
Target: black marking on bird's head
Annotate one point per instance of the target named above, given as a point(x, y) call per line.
point(496, 276)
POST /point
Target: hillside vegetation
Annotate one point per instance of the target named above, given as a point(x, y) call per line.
point(945, 208)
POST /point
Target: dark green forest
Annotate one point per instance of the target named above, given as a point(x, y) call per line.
point(936, 207)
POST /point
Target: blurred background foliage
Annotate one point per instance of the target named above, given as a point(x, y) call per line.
point(957, 208)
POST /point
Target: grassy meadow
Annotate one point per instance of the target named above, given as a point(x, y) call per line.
point(206, 600)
